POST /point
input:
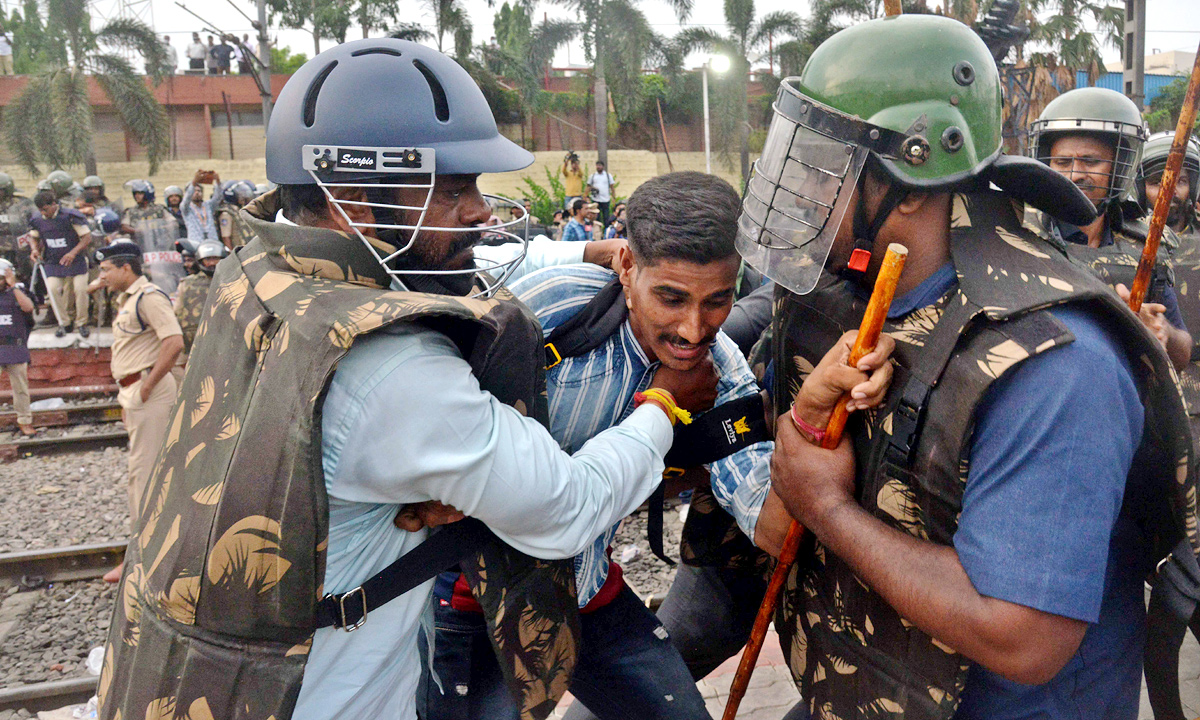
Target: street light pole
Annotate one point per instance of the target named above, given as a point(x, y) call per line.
point(704, 94)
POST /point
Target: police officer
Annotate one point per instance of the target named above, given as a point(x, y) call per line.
point(16, 314)
point(291, 351)
point(61, 237)
point(193, 292)
point(146, 342)
point(1094, 137)
point(15, 211)
point(63, 186)
point(979, 544)
point(154, 229)
point(174, 197)
point(235, 196)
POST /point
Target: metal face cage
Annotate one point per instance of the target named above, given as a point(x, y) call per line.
point(801, 186)
point(371, 167)
point(1129, 139)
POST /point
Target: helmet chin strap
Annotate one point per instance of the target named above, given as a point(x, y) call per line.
point(866, 230)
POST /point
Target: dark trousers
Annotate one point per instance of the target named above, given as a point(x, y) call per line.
point(604, 208)
point(627, 668)
point(709, 614)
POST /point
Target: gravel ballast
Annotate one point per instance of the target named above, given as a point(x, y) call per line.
point(52, 641)
point(66, 499)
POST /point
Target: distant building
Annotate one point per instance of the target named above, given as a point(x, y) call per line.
point(1172, 62)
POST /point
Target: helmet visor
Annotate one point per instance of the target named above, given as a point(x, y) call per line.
point(800, 188)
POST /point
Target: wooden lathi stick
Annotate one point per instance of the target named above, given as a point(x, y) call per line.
point(892, 7)
point(1166, 190)
point(868, 336)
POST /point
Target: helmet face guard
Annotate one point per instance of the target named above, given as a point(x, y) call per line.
point(372, 168)
point(1127, 150)
point(801, 186)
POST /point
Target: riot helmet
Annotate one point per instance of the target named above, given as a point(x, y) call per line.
point(1154, 161)
point(145, 187)
point(8, 188)
point(207, 250)
point(1104, 115)
point(915, 98)
point(43, 184)
point(427, 117)
point(92, 181)
point(109, 221)
point(60, 182)
point(238, 192)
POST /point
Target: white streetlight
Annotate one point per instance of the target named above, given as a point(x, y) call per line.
point(717, 64)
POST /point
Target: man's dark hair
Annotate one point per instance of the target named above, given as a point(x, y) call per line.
point(44, 198)
point(127, 261)
point(577, 205)
point(301, 203)
point(688, 216)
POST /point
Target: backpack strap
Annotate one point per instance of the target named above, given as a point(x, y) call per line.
point(589, 328)
point(442, 550)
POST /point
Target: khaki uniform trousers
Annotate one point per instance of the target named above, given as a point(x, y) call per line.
point(71, 298)
point(18, 378)
point(146, 423)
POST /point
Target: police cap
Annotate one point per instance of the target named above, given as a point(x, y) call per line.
point(119, 249)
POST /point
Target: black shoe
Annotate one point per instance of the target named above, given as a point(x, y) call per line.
point(60, 332)
point(84, 332)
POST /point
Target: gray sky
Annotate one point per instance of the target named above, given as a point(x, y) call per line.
point(1171, 24)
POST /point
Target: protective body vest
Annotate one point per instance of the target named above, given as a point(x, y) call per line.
point(14, 221)
point(14, 330)
point(59, 238)
point(189, 306)
point(847, 647)
point(229, 224)
point(216, 609)
point(1187, 289)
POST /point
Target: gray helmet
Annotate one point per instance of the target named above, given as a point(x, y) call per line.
point(1100, 112)
point(419, 98)
point(1154, 161)
point(43, 184)
point(142, 186)
point(238, 192)
point(6, 184)
point(93, 181)
point(60, 182)
point(263, 188)
point(209, 249)
point(173, 190)
point(427, 117)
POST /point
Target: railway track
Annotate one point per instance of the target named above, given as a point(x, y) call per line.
point(91, 419)
point(34, 568)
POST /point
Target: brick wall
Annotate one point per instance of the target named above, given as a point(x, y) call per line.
point(66, 367)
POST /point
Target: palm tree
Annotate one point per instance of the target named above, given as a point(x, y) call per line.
point(743, 38)
point(51, 121)
point(617, 37)
point(451, 17)
point(1065, 32)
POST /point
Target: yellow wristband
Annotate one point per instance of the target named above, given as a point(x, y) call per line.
point(674, 412)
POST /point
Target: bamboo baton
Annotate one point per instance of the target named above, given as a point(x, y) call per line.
point(864, 343)
point(1166, 190)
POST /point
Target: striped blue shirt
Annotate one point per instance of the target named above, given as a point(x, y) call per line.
point(593, 392)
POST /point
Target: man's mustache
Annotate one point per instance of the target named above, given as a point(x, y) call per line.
point(677, 340)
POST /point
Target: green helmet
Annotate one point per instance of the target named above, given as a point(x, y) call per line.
point(1098, 112)
point(918, 96)
point(7, 186)
point(1154, 161)
point(60, 182)
point(44, 184)
point(93, 181)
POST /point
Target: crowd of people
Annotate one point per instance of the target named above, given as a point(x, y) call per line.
point(385, 485)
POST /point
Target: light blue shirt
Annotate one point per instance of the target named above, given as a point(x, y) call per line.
point(200, 220)
point(575, 232)
point(405, 421)
point(592, 392)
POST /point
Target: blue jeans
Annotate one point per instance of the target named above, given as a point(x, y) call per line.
point(627, 668)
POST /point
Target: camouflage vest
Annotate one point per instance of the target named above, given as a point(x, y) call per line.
point(853, 655)
point(1187, 289)
point(215, 615)
point(189, 305)
point(229, 220)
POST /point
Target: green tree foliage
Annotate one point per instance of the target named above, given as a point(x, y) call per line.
point(1165, 108)
point(618, 39)
point(744, 38)
point(548, 198)
point(284, 62)
point(34, 47)
point(523, 52)
point(324, 20)
point(1063, 33)
point(51, 121)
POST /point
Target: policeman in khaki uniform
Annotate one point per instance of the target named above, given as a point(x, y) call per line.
point(146, 342)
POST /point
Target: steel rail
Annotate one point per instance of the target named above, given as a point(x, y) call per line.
point(32, 568)
point(51, 695)
point(67, 415)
